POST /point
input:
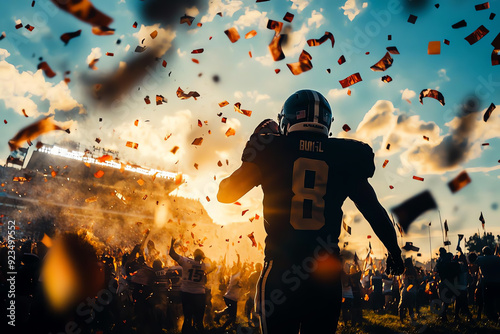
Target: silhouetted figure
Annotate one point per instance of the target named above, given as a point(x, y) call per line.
point(306, 177)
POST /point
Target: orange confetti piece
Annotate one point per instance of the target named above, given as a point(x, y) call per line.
point(349, 92)
point(136, 122)
point(250, 54)
point(434, 48)
point(250, 34)
point(132, 145)
point(147, 100)
point(53, 173)
point(223, 104)
point(105, 157)
point(303, 65)
point(385, 163)
point(110, 54)
point(181, 95)
point(418, 178)
point(174, 149)
point(350, 80)
point(140, 182)
point(208, 200)
point(153, 34)
point(91, 199)
point(178, 178)
point(196, 61)
point(196, 166)
point(46, 69)
point(346, 128)
point(230, 132)
point(99, 174)
point(197, 141)
point(219, 163)
point(243, 212)
point(196, 51)
point(232, 34)
point(237, 106)
point(200, 124)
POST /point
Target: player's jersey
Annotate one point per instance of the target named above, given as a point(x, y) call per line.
point(305, 178)
point(193, 275)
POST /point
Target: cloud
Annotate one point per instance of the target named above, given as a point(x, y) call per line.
point(441, 153)
point(407, 94)
point(299, 5)
point(18, 90)
point(161, 43)
point(257, 97)
point(251, 18)
point(351, 9)
point(337, 93)
point(96, 53)
point(192, 11)
point(442, 74)
point(226, 7)
point(316, 18)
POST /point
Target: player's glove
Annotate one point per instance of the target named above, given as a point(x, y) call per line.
point(395, 265)
point(267, 126)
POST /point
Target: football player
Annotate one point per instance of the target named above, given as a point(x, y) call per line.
point(193, 281)
point(305, 177)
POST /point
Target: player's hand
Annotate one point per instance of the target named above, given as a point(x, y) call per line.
point(267, 126)
point(395, 265)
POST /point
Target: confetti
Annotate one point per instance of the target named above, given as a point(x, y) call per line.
point(252, 238)
point(431, 93)
point(174, 149)
point(392, 50)
point(426, 138)
point(92, 63)
point(164, 63)
point(418, 178)
point(66, 37)
point(386, 78)
point(385, 163)
point(197, 51)
point(223, 119)
point(244, 211)
point(232, 34)
point(237, 107)
point(288, 17)
point(275, 48)
point(460, 181)
point(187, 19)
point(303, 65)
point(110, 54)
point(412, 19)
point(447, 42)
point(477, 35)
point(230, 132)
point(459, 24)
point(434, 48)
point(46, 69)
point(341, 60)
point(178, 180)
point(197, 141)
point(146, 99)
point(183, 96)
point(250, 34)
point(346, 128)
point(223, 104)
point(350, 80)
point(160, 100)
point(413, 207)
point(324, 38)
point(104, 158)
point(482, 6)
point(153, 34)
point(32, 131)
point(495, 57)
point(85, 11)
point(99, 174)
point(383, 64)
point(132, 145)
point(488, 112)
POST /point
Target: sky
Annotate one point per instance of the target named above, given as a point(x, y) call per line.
point(377, 112)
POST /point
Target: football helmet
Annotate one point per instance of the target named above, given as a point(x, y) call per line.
point(305, 110)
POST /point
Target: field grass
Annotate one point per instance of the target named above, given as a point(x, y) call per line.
point(427, 323)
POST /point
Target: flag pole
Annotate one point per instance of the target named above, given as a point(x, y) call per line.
point(430, 247)
point(441, 221)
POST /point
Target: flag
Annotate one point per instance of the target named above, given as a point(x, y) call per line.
point(413, 207)
point(481, 219)
point(460, 237)
point(446, 228)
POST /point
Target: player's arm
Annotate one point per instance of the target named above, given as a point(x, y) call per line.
point(239, 183)
point(367, 202)
point(248, 175)
point(172, 252)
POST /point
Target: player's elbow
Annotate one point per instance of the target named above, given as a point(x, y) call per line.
point(224, 195)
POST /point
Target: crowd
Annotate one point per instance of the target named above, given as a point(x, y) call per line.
point(149, 293)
